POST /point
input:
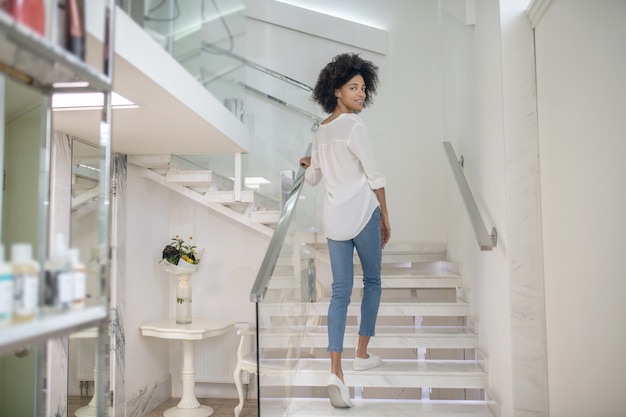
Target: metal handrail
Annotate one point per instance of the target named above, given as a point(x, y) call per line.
point(486, 241)
point(275, 74)
point(263, 278)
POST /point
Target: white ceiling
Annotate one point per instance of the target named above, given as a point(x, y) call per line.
point(161, 125)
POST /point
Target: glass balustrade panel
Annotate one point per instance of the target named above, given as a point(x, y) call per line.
point(208, 38)
point(287, 313)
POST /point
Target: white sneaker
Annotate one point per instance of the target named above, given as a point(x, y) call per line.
point(338, 392)
point(363, 364)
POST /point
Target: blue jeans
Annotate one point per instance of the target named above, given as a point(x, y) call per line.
point(368, 245)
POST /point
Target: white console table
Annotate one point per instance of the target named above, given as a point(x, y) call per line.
point(198, 329)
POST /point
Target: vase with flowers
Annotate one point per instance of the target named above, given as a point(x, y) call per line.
point(182, 259)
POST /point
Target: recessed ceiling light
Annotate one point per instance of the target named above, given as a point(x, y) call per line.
point(71, 84)
point(88, 101)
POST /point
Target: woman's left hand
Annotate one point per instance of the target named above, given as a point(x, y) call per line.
point(305, 162)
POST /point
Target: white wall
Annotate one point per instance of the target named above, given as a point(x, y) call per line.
point(581, 62)
point(405, 119)
point(474, 124)
point(221, 287)
point(580, 107)
point(147, 287)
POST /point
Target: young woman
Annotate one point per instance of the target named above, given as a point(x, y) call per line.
point(355, 211)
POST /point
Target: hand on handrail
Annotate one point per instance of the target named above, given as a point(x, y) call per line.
point(305, 162)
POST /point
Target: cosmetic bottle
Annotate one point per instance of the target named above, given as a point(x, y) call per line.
point(31, 13)
point(75, 27)
point(6, 290)
point(79, 275)
point(58, 279)
point(94, 284)
point(25, 283)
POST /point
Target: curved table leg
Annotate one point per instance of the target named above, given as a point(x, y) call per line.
point(90, 410)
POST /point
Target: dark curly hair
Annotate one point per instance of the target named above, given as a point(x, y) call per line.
point(337, 73)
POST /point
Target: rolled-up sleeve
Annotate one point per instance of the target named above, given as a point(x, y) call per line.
point(313, 174)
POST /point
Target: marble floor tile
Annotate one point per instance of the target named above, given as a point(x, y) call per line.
point(223, 407)
point(321, 407)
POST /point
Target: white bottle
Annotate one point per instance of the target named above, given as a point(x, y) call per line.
point(94, 292)
point(6, 290)
point(79, 275)
point(25, 283)
point(58, 279)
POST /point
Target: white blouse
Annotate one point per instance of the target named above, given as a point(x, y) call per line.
point(342, 155)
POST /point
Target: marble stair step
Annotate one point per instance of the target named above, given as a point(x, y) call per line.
point(388, 307)
point(190, 178)
point(392, 276)
point(415, 280)
point(284, 278)
point(392, 373)
point(315, 407)
point(398, 337)
point(393, 253)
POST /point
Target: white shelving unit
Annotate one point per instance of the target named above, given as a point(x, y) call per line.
point(48, 68)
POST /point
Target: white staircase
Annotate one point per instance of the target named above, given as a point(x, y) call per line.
point(432, 364)
point(212, 190)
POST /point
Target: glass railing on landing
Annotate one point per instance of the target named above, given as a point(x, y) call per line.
point(208, 38)
point(205, 37)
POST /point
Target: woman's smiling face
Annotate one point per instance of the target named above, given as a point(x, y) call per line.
point(351, 96)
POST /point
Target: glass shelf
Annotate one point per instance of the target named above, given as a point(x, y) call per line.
point(40, 329)
point(34, 60)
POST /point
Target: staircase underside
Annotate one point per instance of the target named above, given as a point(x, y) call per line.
point(213, 191)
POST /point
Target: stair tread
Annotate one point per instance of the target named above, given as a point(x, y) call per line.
point(289, 308)
point(392, 373)
point(382, 331)
point(315, 407)
point(387, 301)
point(415, 282)
point(387, 337)
point(286, 275)
point(404, 367)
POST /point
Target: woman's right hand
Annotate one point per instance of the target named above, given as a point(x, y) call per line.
point(305, 162)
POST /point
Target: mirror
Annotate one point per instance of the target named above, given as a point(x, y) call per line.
point(85, 160)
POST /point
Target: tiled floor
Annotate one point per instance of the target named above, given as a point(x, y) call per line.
point(76, 402)
point(223, 407)
point(362, 408)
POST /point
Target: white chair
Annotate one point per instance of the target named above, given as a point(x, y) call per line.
point(273, 361)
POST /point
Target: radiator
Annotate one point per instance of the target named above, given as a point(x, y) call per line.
point(85, 359)
point(215, 358)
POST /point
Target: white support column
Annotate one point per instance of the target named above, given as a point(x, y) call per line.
point(421, 356)
point(188, 400)
point(238, 177)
